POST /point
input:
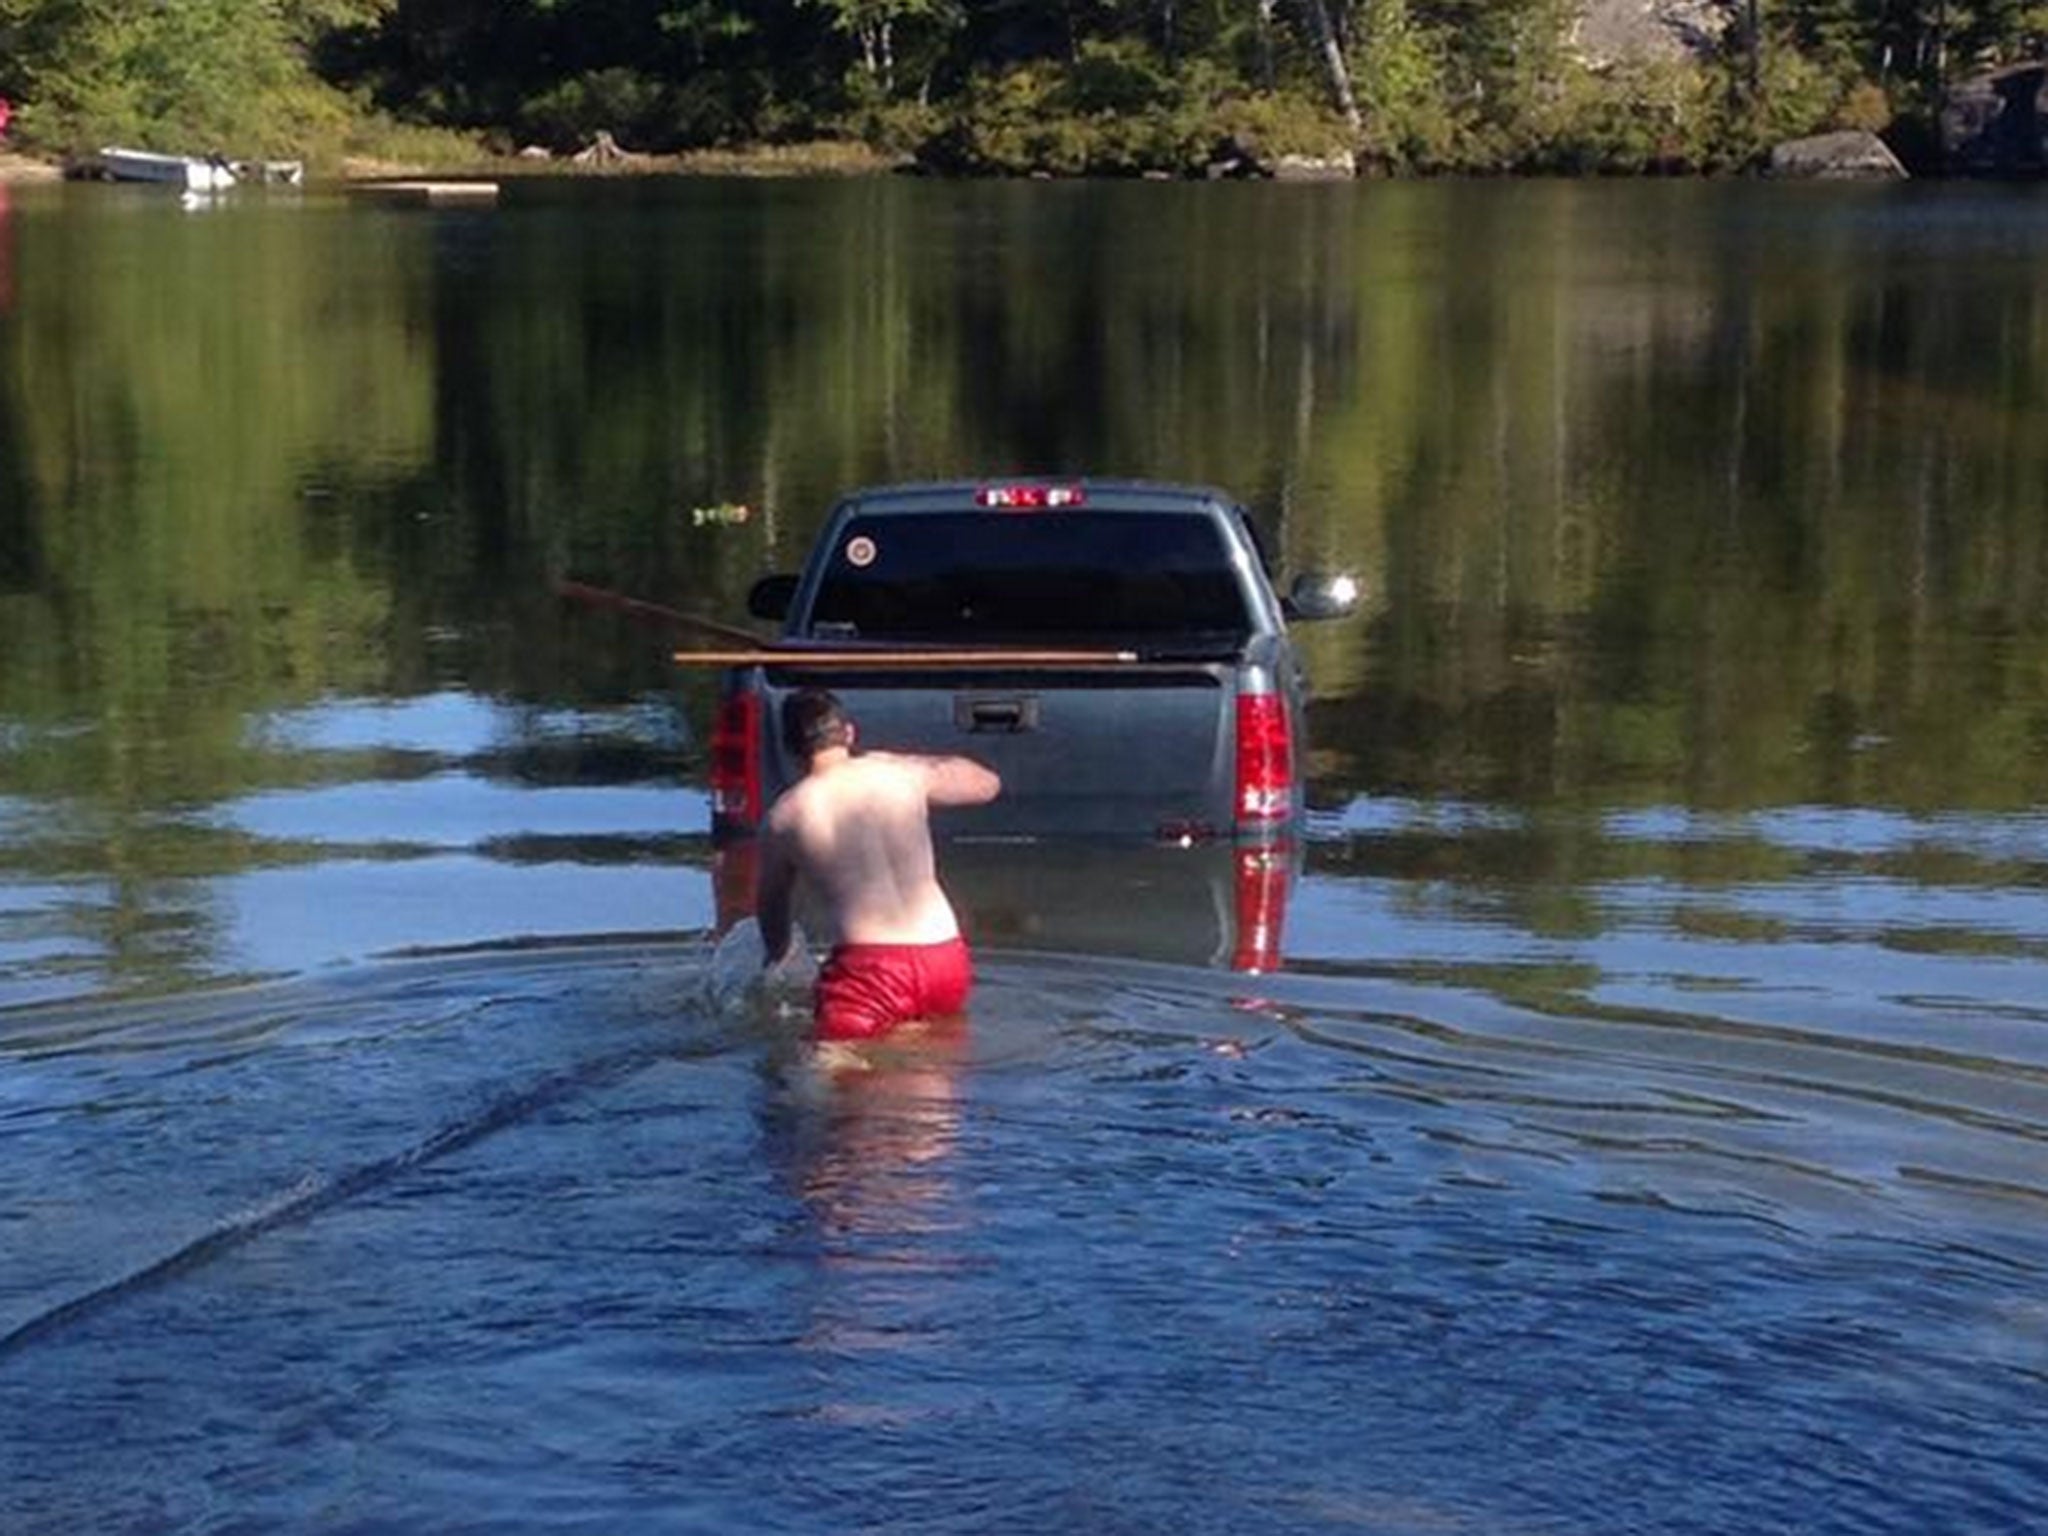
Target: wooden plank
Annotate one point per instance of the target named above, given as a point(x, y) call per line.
point(426, 193)
point(640, 608)
point(880, 659)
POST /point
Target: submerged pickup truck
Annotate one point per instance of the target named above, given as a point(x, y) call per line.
point(1115, 650)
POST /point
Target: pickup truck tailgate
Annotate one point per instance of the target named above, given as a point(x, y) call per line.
point(1082, 753)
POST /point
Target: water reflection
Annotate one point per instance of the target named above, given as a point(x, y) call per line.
point(868, 1141)
point(1668, 500)
point(872, 1149)
point(1207, 904)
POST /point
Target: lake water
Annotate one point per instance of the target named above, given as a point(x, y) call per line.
point(1645, 1128)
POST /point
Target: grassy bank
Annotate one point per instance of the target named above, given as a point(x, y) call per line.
point(451, 155)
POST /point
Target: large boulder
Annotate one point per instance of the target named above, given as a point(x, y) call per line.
point(1338, 165)
point(1851, 155)
point(1996, 124)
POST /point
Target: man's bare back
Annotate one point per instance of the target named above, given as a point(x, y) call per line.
point(857, 831)
point(857, 828)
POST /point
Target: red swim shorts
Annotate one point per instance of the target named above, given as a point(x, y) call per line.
point(866, 990)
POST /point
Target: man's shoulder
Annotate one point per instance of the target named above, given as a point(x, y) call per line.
point(788, 808)
point(895, 765)
point(895, 775)
point(864, 780)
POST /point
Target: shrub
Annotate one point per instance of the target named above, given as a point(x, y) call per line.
point(1123, 78)
point(1866, 106)
point(895, 127)
point(1647, 116)
point(620, 101)
point(1118, 112)
point(1794, 97)
point(1273, 123)
point(1402, 79)
point(1041, 118)
point(892, 124)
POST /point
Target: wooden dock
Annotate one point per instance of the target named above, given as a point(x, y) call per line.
point(426, 194)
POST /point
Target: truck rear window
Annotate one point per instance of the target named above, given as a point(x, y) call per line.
point(1008, 576)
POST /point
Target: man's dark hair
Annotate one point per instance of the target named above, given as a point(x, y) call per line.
point(813, 720)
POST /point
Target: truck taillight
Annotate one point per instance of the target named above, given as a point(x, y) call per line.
point(1265, 759)
point(1261, 906)
point(736, 760)
point(1030, 498)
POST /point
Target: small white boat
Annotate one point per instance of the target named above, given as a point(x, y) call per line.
point(191, 172)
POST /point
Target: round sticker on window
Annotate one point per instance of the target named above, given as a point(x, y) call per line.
point(860, 551)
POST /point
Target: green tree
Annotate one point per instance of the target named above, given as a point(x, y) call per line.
point(203, 72)
point(1328, 44)
point(876, 28)
point(1426, 84)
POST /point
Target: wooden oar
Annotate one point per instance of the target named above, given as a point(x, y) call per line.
point(857, 660)
point(640, 608)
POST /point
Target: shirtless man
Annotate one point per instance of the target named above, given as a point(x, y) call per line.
point(857, 829)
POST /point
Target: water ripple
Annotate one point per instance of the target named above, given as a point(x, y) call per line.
point(525, 1235)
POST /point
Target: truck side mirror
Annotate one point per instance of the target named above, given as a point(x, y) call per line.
point(770, 597)
point(1320, 595)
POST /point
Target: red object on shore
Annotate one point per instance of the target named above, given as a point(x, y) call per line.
point(6, 115)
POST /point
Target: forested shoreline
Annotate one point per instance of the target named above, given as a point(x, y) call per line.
point(1061, 87)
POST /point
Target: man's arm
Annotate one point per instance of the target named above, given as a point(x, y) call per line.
point(951, 780)
point(963, 781)
point(771, 907)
